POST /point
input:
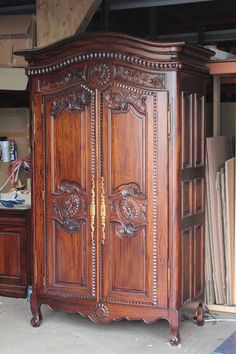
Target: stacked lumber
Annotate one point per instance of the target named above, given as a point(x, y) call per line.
point(220, 245)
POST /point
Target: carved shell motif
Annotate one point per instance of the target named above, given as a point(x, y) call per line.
point(128, 210)
point(69, 206)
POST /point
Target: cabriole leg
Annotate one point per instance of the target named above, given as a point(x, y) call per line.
point(174, 337)
point(36, 313)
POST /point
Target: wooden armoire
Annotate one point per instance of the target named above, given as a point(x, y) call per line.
point(118, 182)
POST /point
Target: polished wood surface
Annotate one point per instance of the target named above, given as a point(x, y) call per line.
point(118, 156)
point(15, 257)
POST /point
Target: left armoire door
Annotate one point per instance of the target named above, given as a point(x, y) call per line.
point(66, 159)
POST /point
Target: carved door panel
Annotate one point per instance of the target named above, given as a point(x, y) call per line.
point(133, 187)
point(69, 182)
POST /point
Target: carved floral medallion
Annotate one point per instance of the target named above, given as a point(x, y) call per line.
point(100, 74)
point(69, 206)
point(100, 313)
point(128, 210)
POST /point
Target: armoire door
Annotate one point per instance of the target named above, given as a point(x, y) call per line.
point(69, 191)
point(133, 195)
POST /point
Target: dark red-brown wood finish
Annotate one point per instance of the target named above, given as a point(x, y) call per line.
point(118, 177)
point(15, 255)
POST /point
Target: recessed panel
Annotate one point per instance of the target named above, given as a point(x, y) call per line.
point(199, 130)
point(186, 198)
point(187, 264)
point(198, 259)
point(127, 273)
point(71, 263)
point(187, 119)
point(68, 148)
point(9, 254)
point(127, 149)
point(198, 195)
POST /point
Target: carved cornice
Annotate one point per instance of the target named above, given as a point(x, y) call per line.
point(63, 63)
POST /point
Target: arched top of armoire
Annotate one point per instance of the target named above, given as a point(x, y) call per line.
point(115, 46)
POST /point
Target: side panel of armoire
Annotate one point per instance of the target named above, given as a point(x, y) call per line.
point(193, 90)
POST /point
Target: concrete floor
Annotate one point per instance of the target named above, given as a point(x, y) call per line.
point(63, 333)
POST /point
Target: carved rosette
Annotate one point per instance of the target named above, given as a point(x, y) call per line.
point(69, 206)
point(72, 101)
point(100, 313)
point(138, 77)
point(124, 100)
point(99, 74)
point(128, 210)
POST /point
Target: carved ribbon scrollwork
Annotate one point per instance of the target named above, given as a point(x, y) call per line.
point(121, 102)
point(128, 210)
point(72, 101)
point(69, 207)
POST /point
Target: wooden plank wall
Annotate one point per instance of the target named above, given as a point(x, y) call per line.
point(57, 19)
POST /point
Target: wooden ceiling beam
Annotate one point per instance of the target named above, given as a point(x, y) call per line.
point(134, 4)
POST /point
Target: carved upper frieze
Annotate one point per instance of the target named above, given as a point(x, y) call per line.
point(138, 77)
point(69, 206)
point(63, 79)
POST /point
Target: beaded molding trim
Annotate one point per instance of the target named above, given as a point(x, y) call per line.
point(101, 55)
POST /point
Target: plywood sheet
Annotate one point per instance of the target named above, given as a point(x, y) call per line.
point(230, 221)
point(218, 149)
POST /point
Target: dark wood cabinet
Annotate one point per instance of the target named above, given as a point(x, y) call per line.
point(118, 156)
point(15, 261)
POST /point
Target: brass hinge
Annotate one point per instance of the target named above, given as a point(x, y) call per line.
point(103, 211)
point(168, 280)
point(169, 121)
point(44, 281)
point(33, 116)
point(43, 195)
point(42, 108)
